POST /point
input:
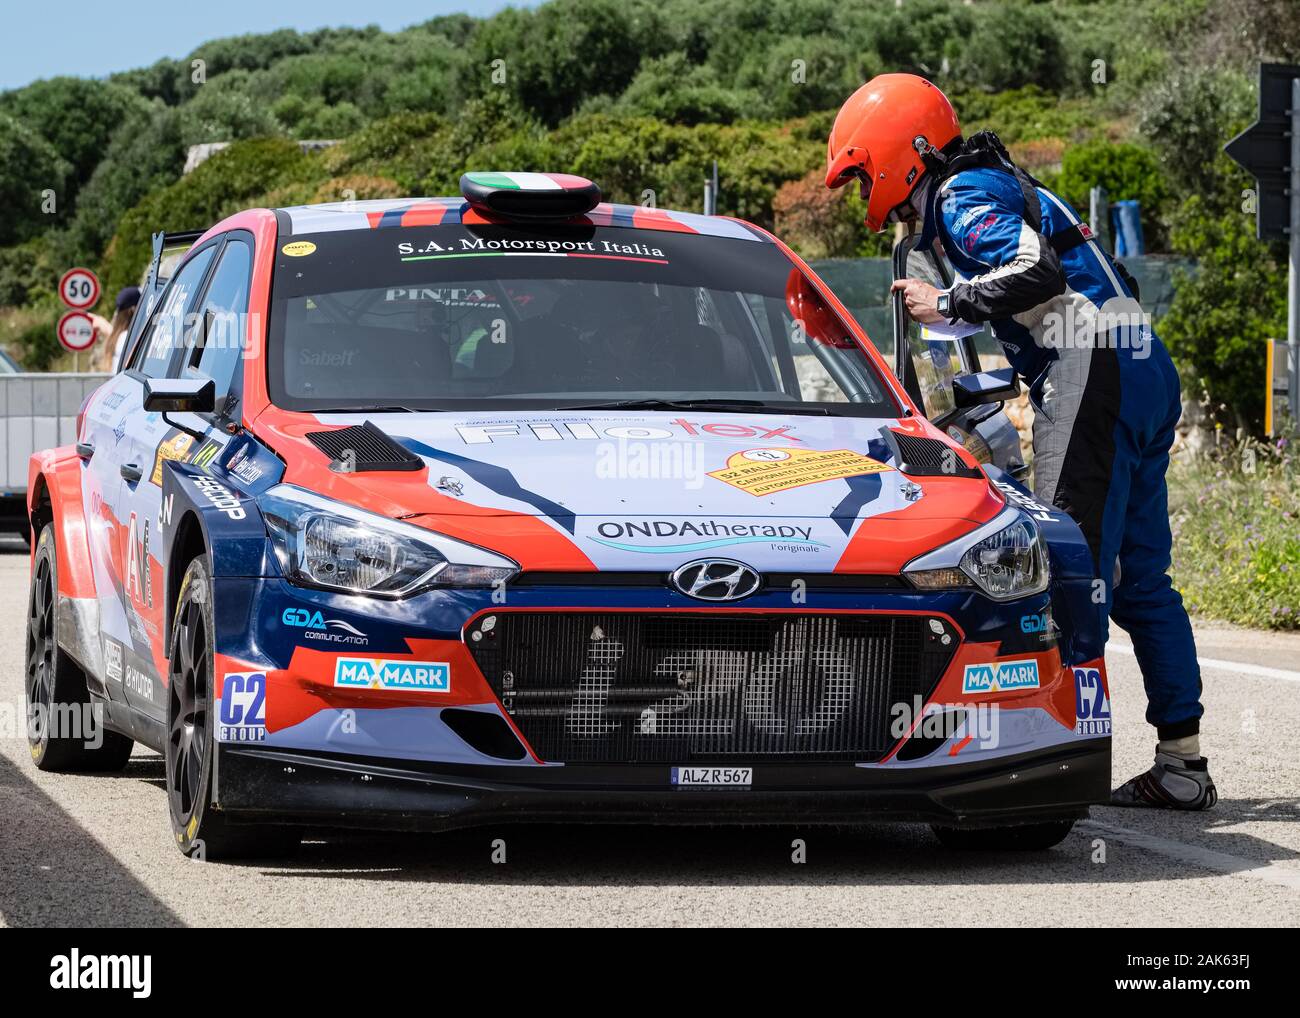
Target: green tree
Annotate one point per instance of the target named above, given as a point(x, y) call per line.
point(146, 154)
point(564, 52)
point(803, 74)
point(673, 89)
point(1187, 117)
point(77, 116)
point(1013, 45)
point(29, 166)
point(1225, 310)
point(227, 109)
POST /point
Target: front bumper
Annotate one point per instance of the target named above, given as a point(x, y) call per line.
point(332, 754)
point(261, 784)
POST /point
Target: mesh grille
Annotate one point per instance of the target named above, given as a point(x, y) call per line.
point(596, 687)
point(364, 447)
point(927, 457)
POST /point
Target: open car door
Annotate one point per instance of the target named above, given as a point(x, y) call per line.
point(941, 371)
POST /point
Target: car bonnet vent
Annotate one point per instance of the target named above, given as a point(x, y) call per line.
point(928, 457)
point(363, 447)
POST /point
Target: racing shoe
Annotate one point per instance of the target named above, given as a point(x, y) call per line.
point(1171, 783)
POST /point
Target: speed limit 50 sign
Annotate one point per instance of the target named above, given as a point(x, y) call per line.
point(79, 288)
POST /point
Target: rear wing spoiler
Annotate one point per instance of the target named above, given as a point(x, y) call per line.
point(167, 251)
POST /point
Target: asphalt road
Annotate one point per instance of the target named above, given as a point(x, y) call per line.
point(97, 851)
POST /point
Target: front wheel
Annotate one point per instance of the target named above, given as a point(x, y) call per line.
point(200, 830)
point(1022, 838)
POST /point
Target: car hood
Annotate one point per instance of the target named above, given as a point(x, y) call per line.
point(636, 491)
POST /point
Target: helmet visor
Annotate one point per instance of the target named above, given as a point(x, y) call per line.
point(850, 165)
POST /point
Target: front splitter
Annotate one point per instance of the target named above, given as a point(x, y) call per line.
point(258, 784)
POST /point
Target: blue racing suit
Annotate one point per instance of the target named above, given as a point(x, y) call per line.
point(1106, 400)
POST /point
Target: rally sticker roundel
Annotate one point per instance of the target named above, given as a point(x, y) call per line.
point(298, 248)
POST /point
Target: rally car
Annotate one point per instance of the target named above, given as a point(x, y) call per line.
point(520, 505)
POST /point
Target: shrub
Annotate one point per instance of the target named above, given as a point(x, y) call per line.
point(1236, 524)
point(1025, 113)
point(627, 157)
point(357, 187)
point(820, 223)
point(396, 147)
point(1126, 171)
point(36, 346)
point(27, 272)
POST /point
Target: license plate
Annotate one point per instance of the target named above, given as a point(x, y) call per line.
point(734, 777)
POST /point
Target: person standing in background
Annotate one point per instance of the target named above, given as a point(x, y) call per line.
point(110, 335)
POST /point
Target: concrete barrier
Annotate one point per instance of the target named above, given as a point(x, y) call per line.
point(38, 411)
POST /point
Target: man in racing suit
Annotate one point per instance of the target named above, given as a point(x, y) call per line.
point(1105, 392)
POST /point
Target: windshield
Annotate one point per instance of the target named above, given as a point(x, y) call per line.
point(467, 317)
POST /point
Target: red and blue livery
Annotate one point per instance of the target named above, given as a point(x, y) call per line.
point(519, 505)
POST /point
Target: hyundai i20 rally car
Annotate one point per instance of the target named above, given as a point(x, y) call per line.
point(520, 506)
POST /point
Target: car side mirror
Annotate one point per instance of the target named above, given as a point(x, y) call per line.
point(985, 387)
point(180, 395)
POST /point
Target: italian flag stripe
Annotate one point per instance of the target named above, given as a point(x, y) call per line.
point(517, 181)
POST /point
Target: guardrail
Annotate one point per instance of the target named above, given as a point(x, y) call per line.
point(38, 411)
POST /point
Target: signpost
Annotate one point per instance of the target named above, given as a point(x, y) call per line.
point(1270, 151)
point(79, 290)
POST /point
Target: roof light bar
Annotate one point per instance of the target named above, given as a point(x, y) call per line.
point(529, 195)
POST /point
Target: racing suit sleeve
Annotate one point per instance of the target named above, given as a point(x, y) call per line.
point(989, 227)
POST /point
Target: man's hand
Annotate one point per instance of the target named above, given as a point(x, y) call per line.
point(921, 299)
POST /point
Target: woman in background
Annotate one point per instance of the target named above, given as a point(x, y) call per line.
point(110, 335)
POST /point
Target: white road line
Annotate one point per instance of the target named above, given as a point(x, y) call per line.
point(1263, 671)
point(1206, 858)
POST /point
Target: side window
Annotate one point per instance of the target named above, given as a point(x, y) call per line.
point(166, 333)
point(222, 320)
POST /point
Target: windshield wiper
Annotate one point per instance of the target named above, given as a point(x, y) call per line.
point(375, 408)
point(738, 406)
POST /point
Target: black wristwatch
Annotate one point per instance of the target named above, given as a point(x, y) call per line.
point(943, 304)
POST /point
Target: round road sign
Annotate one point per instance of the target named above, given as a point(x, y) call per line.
point(79, 288)
point(76, 331)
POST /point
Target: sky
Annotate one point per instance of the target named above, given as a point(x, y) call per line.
point(92, 38)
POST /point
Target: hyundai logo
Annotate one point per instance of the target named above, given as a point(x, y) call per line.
point(716, 579)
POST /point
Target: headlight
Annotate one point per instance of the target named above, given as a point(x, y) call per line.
point(1006, 559)
point(323, 543)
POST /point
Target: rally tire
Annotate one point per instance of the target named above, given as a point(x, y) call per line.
point(1022, 838)
point(200, 831)
point(54, 682)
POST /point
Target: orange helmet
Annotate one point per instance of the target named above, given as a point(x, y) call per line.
point(879, 136)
